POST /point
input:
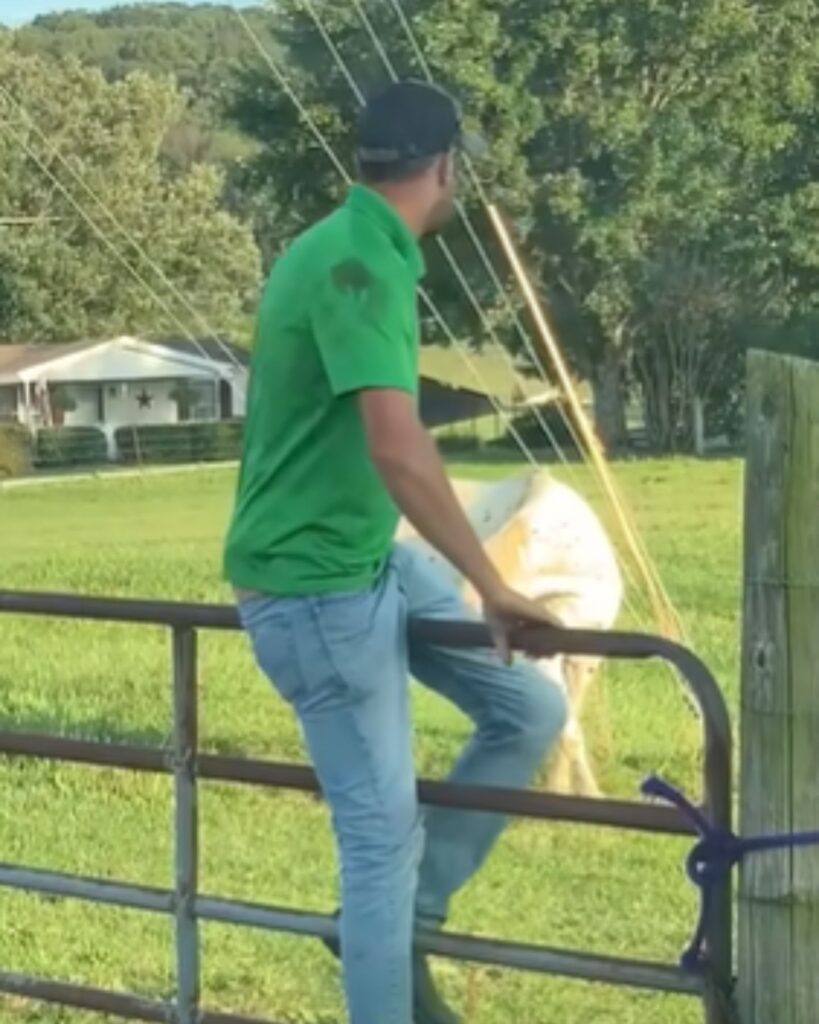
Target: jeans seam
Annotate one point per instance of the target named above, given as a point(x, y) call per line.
point(384, 821)
point(326, 646)
point(371, 771)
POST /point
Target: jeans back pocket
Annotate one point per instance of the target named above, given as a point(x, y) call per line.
point(269, 627)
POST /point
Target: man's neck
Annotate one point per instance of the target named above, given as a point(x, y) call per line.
point(404, 205)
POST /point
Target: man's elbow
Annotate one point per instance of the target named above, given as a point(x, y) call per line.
point(392, 431)
point(391, 455)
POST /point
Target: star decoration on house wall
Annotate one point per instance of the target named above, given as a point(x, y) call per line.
point(144, 399)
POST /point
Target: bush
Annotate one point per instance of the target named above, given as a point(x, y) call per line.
point(452, 444)
point(60, 447)
point(15, 450)
point(227, 440)
point(181, 442)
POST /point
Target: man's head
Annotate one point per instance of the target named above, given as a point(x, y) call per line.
point(407, 140)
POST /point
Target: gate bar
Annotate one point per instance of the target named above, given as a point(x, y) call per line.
point(186, 832)
point(99, 1000)
point(520, 956)
point(620, 814)
point(536, 641)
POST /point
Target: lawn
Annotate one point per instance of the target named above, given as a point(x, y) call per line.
point(159, 536)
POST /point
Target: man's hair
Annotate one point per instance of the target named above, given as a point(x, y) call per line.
point(396, 171)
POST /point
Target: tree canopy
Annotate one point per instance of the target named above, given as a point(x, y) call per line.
point(658, 160)
point(79, 158)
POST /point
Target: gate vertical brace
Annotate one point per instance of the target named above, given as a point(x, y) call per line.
point(719, 1001)
point(186, 826)
point(719, 992)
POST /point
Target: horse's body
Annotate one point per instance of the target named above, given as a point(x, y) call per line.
point(548, 544)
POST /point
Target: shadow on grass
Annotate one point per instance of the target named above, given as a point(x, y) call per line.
point(100, 729)
point(103, 730)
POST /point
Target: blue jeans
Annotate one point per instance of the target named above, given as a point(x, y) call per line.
point(343, 662)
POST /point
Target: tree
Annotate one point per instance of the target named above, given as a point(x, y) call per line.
point(690, 303)
point(200, 47)
point(290, 182)
point(666, 134)
point(659, 161)
point(60, 279)
point(645, 150)
point(659, 121)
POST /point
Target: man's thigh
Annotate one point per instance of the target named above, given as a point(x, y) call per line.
point(340, 660)
point(477, 681)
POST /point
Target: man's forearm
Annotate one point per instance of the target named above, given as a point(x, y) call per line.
point(416, 479)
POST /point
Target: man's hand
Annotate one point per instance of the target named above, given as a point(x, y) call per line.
point(505, 609)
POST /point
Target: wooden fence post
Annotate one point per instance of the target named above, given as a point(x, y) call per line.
point(779, 891)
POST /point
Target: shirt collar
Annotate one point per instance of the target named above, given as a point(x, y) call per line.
point(373, 206)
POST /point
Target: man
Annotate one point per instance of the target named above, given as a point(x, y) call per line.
point(333, 453)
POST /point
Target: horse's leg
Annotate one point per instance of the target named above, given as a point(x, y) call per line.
point(558, 778)
point(579, 672)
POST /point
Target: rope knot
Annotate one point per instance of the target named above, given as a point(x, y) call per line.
point(713, 857)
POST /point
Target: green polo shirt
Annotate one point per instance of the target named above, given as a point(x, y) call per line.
point(338, 315)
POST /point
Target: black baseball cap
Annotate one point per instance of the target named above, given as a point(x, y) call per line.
point(410, 121)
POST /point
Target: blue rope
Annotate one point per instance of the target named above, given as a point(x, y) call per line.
point(713, 858)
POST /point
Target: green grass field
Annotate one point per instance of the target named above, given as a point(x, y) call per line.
point(160, 536)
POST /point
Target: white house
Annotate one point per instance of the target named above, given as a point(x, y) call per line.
point(129, 382)
point(121, 382)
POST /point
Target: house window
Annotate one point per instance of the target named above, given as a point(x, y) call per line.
point(196, 400)
point(8, 402)
point(203, 405)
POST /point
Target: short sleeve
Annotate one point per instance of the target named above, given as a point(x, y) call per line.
point(358, 327)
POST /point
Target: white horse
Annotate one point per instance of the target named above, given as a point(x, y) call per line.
point(548, 544)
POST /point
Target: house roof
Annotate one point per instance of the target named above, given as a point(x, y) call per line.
point(487, 373)
point(16, 358)
point(441, 404)
point(213, 348)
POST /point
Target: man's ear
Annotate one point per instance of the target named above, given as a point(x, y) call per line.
point(446, 169)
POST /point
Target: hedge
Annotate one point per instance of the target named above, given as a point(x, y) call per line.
point(59, 447)
point(15, 450)
point(452, 444)
point(180, 442)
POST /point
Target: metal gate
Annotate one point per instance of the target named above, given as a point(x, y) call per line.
point(187, 764)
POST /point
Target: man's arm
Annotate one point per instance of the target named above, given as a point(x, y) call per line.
point(409, 464)
point(360, 356)
point(412, 470)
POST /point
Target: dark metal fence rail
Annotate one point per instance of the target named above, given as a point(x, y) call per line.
point(188, 906)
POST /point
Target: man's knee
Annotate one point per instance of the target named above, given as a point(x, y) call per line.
point(542, 708)
point(383, 848)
